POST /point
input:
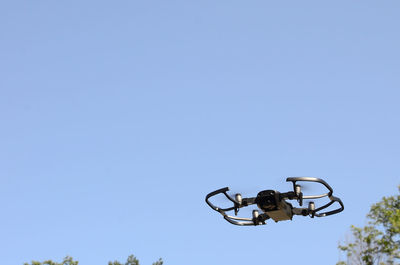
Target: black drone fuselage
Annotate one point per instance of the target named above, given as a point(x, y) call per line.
point(273, 204)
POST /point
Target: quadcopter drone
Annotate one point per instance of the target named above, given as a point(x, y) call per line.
point(274, 205)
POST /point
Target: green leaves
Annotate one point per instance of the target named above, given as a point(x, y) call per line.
point(131, 260)
point(159, 262)
point(66, 261)
point(379, 241)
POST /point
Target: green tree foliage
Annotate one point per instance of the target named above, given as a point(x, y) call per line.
point(158, 262)
point(66, 261)
point(379, 241)
point(132, 260)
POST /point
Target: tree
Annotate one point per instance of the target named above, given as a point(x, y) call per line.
point(66, 261)
point(379, 241)
point(132, 260)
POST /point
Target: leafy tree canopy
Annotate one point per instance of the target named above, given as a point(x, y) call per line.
point(132, 260)
point(66, 261)
point(379, 241)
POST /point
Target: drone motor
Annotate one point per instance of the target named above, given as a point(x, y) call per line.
point(311, 206)
point(238, 198)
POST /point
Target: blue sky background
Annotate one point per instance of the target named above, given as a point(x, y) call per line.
point(118, 117)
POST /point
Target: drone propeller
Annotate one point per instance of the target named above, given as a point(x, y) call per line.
point(222, 202)
point(310, 187)
point(305, 189)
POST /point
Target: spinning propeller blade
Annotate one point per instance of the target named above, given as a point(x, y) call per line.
point(310, 188)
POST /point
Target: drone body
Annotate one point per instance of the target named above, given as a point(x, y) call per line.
point(277, 209)
point(274, 205)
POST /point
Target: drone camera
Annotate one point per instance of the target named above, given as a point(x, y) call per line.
point(266, 200)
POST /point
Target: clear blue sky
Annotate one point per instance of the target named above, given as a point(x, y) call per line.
point(118, 117)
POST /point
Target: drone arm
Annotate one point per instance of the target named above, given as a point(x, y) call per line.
point(300, 211)
point(248, 201)
point(288, 195)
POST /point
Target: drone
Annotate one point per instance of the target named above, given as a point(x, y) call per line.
point(274, 205)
